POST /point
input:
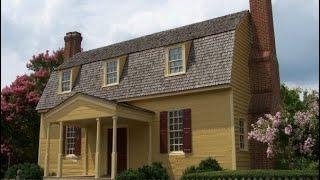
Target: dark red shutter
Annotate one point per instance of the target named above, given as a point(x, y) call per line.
point(77, 150)
point(64, 140)
point(187, 146)
point(163, 132)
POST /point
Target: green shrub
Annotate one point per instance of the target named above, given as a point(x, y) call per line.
point(156, 172)
point(130, 174)
point(28, 171)
point(191, 169)
point(239, 174)
point(299, 163)
point(208, 164)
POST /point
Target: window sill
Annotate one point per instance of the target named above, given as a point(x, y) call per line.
point(72, 157)
point(243, 150)
point(108, 85)
point(65, 92)
point(175, 74)
point(177, 153)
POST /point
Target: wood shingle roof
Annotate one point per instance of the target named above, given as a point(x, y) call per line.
point(209, 63)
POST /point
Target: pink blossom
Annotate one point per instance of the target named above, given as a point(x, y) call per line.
point(4, 149)
point(4, 105)
point(33, 97)
point(41, 73)
point(276, 120)
point(10, 117)
point(288, 129)
point(306, 147)
point(270, 152)
point(302, 118)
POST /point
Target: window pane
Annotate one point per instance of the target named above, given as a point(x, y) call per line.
point(112, 74)
point(175, 130)
point(65, 80)
point(70, 139)
point(175, 60)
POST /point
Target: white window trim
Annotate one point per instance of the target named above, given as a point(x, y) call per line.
point(245, 139)
point(168, 127)
point(184, 63)
point(68, 155)
point(105, 76)
point(60, 81)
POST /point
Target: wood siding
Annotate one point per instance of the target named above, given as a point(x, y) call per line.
point(241, 87)
point(210, 122)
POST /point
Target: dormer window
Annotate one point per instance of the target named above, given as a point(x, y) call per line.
point(66, 81)
point(177, 58)
point(112, 72)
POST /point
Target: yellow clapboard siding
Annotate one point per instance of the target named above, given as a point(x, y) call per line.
point(211, 132)
point(241, 86)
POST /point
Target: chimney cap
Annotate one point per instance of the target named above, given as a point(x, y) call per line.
point(74, 33)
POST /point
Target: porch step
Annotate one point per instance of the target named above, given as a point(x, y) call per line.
point(75, 178)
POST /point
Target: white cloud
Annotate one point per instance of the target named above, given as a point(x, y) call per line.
point(31, 27)
point(11, 66)
point(304, 85)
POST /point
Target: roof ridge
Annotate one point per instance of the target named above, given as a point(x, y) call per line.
point(180, 27)
point(159, 39)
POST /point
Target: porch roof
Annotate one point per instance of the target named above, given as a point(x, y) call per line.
point(82, 106)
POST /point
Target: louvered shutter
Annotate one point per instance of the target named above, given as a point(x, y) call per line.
point(77, 150)
point(187, 140)
point(163, 132)
point(64, 140)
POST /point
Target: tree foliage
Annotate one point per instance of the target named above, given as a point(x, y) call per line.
point(19, 119)
point(291, 134)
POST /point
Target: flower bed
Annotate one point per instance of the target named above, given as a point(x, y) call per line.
point(251, 174)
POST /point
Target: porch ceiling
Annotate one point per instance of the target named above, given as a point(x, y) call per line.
point(87, 108)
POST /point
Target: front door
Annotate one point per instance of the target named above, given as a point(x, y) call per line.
point(121, 149)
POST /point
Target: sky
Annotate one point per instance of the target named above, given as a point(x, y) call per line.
point(34, 26)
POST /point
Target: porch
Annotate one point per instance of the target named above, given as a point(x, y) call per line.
point(108, 129)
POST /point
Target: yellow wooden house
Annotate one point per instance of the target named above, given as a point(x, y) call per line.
point(176, 97)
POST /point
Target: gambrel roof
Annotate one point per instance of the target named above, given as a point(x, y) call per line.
point(209, 63)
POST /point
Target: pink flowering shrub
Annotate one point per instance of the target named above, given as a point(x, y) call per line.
point(19, 119)
point(289, 135)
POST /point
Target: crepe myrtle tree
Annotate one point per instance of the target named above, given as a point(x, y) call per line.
point(292, 133)
point(19, 119)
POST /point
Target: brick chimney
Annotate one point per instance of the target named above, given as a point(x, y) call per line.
point(262, 24)
point(264, 75)
point(72, 44)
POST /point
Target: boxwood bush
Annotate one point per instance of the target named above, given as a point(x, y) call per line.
point(208, 164)
point(156, 172)
point(28, 171)
point(245, 174)
point(130, 174)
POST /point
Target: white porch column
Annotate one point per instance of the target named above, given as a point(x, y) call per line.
point(114, 148)
point(59, 174)
point(85, 153)
point(150, 144)
point(46, 166)
point(97, 161)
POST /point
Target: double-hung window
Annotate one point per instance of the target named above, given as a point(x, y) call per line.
point(66, 80)
point(111, 72)
point(175, 130)
point(242, 135)
point(70, 140)
point(175, 61)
